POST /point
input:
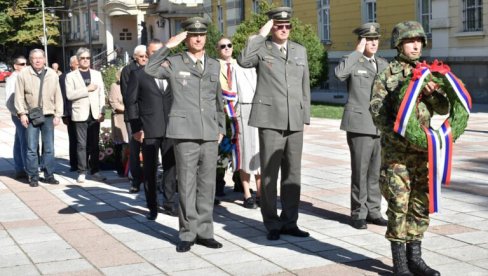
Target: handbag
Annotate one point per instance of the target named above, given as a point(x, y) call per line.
point(36, 117)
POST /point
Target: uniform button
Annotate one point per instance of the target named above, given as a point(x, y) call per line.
point(202, 109)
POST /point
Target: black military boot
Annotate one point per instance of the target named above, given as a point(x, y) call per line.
point(415, 262)
point(399, 256)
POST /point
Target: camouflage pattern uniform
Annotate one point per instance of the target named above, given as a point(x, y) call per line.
point(404, 168)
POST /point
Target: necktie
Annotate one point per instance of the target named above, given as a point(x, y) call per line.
point(283, 51)
point(229, 76)
point(373, 62)
point(199, 66)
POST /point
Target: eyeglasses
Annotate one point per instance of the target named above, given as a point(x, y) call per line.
point(281, 27)
point(21, 64)
point(223, 46)
point(84, 58)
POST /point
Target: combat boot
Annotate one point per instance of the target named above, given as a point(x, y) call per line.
point(399, 256)
point(415, 262)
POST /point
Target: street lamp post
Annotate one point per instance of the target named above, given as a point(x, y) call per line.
point(44, 38)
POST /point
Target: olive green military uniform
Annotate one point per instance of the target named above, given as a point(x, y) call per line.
point(404, 170)
point(280, 108)
point(196, 119)
point(363, 137)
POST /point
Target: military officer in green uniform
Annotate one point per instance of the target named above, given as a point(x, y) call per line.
point(359, 70)
point(280, 109)
point(404, 171)
point(197, 124)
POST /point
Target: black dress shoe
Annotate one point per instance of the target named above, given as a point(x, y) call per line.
point(51, 180)
point(273, 235)
point(296, 232)
point(34, 183)
point(378, 221)
point(152, 215)
point(210, 243)
point(250, 203)
point(184, 246)
point(359, 224)
point(170, 212)
point(134, 190)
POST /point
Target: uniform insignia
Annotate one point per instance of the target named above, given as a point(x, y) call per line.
point(284, 14)
point(362, 72)
point(184, 73)
point(198, 24)
point(372, 29)
point(184, 82)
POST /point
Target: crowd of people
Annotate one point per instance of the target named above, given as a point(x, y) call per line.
point(175, 106)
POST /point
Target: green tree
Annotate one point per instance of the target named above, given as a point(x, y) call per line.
point(22, 22)
point(301, 33)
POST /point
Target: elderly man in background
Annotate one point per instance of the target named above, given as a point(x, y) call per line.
point(85, 88)
point(39, 105)
point(135, 147)
point(20, 142)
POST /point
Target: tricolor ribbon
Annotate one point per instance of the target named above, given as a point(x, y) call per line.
point(230, 108)
point(439, 142)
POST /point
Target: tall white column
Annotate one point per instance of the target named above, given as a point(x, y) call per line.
point(109, 39)
point(440, 28)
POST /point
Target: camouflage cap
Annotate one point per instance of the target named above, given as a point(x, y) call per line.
point(280, 14)
point(196, 25)
point(368, 30)
point(407, 29)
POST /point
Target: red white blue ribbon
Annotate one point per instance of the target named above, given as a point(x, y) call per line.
point(439, 142)
point(408, 104)
point(230, 108)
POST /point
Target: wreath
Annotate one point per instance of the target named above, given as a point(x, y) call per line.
point(437, 142)
point(410, 95)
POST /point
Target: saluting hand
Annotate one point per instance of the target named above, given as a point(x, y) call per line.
point(264, 31)
point(176, 40)
point(361, 45)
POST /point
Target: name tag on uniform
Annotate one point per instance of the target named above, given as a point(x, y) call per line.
point(184, 74)
point(362, 72)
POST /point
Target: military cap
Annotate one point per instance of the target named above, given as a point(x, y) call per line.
point(196, 25)
point(368, 30)
point(280, 14)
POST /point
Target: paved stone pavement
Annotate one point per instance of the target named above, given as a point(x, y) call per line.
point(99, 228)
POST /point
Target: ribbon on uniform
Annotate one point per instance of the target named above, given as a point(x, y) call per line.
point(230, 109)
point(440, 141)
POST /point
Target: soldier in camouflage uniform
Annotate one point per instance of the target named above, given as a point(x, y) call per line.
point(404, 171)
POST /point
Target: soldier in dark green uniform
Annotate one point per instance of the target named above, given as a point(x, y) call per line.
point(404, 172)
point(197, 124)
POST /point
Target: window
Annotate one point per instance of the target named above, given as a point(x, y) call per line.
point(472, 15)
point(323, 9)
point(125, 35)
point(424, 8)
point(220, 18)
point(235, 15)
point(255, 6)
point(287, 3)
point(369, 11)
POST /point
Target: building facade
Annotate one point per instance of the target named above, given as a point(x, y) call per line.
point(457, 29)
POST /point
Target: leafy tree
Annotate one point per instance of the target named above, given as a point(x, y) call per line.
point(22, 22)
point(301, 33)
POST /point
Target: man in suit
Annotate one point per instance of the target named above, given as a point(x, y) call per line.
point(281, 107)
point(85, 90)
point(73, 155)
point(148, 106)
point(359, 70)
point(197, 124)
point(135, 147)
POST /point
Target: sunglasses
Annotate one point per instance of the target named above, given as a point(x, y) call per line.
point(21, 64)
point(85, 58)
point(281, 27)
point(223, 46)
